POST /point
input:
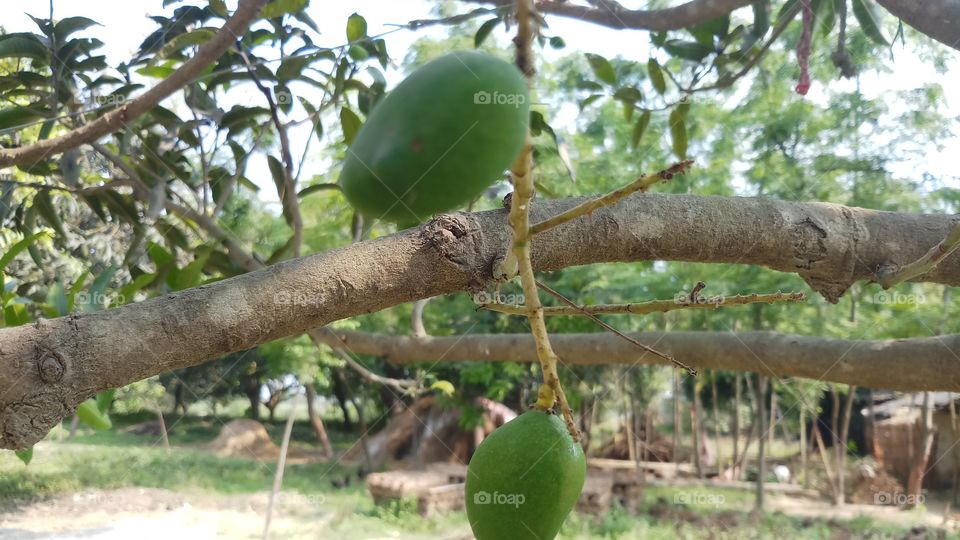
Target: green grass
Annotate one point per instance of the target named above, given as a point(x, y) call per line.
point(111, 460)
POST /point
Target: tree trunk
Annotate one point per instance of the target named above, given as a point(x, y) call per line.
point(163, 429)
point(677, 419)
point(316, 422)
point(761, 449)
point(844, 437)
point(838, 452)
point(919, 466)
point(696, 429)
point(342, 393)
point(736, 426)
point(774, 420)
point(804, 455)
point(714, 395)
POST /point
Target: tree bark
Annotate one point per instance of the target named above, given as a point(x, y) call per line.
point(761, 441)
point(830, 246)
point(874, 363)
point(316, 422)
point(939, 19)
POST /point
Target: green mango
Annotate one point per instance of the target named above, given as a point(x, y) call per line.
point(89, 414)
point(524, 479)
point(442, 136)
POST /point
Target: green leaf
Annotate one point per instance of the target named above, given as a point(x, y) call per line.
point(157, 72)
point(358, 53)
point(602, 68)
point(104, 400)
point(706, 31)
point(356, 28)
point(57, 300)
point(484, 31)
point(557, 42)
point(239, 115)
point(220, 8)
point(687, 50)
point(89, 414)
point(678, 132)
point(15, 315)
point(628, 94)
point(315, 188)
point(44, 206)
point(292, 67)
point(130, 289)
point(18, 248)
point(786, 9)
point(869, 16)
point(187, 39)
point(761, 19)
point(25, 455)
point(444, 387)
point(640, 128)
point(97, 294)
point(72, 24)
point(23, 45)
point(191, 274)
point(75, 289)
point(15, 117)
point(350, 123)
point(656, 76)
point(278, 8)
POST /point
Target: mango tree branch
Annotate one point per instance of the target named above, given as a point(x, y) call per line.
point(939, 19)
point(48, 368)
point(654, 306)
point(232, 30)
point(933, 361)
point(924, 264)
point(614, 15)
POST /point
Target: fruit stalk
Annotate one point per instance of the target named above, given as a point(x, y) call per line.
point(519, 219)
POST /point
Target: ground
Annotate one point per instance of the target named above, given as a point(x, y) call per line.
point(109, 485)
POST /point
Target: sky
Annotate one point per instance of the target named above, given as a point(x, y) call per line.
point(125, 24)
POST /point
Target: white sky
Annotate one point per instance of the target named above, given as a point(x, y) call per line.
point(126, 24)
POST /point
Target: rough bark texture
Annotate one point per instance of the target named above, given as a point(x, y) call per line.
point(47, 368)
point(897, 364)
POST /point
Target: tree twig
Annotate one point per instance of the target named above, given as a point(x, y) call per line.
point(890, 277)
point(653, 306)
point(618, 333)
point(639, 185)
point(232, 30)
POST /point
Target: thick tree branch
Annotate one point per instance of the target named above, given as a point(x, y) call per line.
point(47, 368)
point(613, 15)
point(232, 30)
point(939, 19)
point(898, 364)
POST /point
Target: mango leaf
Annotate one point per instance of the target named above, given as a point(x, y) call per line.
point(89, 414)
point(23, 45)
point(687, 50)
point(128, 291)
point(350, 123)
point(656, 76)
point(72, 24)
point(25, 455)
point(56, 305)
point(761, 19)
point(220, 8)
point(97, 295)
point(602, 68)
point(640, 128)
point(444, 387)
point(315, 188)
point(157, 72)
point(190, 275)
point(705, 32)
point(44, 206)
point(484, 31)
point(188, 39)
point(18, 248)
point(278, 8)
point(15, 315)
point(75, 289)
point(15, 117)
point(356, 28)
point(869, 16)
point(678, 132)
point(291, 67)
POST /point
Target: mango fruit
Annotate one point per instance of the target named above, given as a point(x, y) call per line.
point(524, 479)
point(443, 135)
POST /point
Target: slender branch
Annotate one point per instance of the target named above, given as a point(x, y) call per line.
point(618, 333)
point(112, 121)
point(403, 386)
point(939, 252)
point(653, 306)
point(614, 15)
point(639, 185)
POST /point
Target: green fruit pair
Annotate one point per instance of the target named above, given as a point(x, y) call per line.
point(442, 136)
point(524, 479)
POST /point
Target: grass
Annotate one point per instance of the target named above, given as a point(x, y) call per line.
point(112, 460)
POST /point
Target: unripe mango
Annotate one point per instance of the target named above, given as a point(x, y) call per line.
point(524, 479)
point(442, 136)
